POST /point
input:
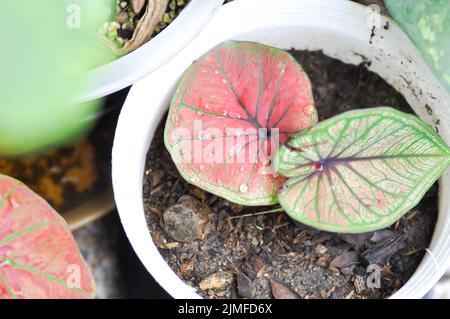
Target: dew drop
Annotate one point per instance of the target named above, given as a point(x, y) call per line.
point(196, 179)
point(241, 169)
point(14, 204)
point(235, 115)
point(243, 188)
point(201, 167)
point(309, 110)
point(224, 81)
point(216, 71)
point(225, 113)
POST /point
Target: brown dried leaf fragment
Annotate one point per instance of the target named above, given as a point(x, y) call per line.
point(344, 260)
point(280, 291)
point(146, 26)
point(137, 5)
point(360, 285)
point(252, 265)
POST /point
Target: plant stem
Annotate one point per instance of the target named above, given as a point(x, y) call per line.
point(276, 210)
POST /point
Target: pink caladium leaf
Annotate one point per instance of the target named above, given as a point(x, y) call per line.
point(38, 255)
point(360, 171)
point(231, 110)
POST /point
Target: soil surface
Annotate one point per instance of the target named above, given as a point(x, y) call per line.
point(271, 256)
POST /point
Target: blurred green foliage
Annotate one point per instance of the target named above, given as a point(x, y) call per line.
point(47, 48)
point(427, 22)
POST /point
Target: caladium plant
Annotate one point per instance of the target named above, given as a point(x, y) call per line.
point(361, 170)
point(357, 172)
point(220, 128)
point(38, 255)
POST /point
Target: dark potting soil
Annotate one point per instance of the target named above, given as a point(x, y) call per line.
point(271, 256)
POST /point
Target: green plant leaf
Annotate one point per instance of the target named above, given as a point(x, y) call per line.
point(361, 170)
point(44, 61)
point(427, 22)
point(231, 109)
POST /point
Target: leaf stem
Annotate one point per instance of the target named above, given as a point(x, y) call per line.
point(276, 210)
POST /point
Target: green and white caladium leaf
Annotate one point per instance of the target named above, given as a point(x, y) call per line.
point(234, 106)
point(39, 258)
point(361, 170)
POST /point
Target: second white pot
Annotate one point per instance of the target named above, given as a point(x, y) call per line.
point(343, 30)
point(128, 69)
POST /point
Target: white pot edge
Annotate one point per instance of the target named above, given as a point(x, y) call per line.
point(138, 119)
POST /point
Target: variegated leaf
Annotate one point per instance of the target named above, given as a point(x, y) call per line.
point(231, 109)
point(39, 259)
point(361, 170)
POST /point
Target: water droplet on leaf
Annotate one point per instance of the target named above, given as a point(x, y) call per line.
point(243, 188)
point(309, 110)
point(236, 115)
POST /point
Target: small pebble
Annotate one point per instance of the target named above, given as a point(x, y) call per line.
point(217, 280)
point(320, 249)
point(186, 221)
point(322, 262)
point(122, 17)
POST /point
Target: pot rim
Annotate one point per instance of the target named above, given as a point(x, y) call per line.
point(139, 122)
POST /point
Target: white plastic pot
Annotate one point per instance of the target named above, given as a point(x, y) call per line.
point(125, 71)
point(339, 28)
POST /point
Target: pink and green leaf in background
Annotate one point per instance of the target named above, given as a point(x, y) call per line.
point(231, 109)
point(361, 170)
point(38, 256)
